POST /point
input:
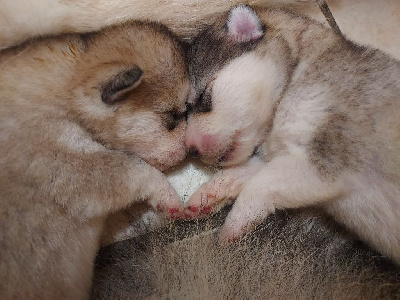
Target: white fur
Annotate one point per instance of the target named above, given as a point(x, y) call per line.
point(332, 138)
point(286, 182)
point(72, 138)
point(187, 178)
point(246, 122)
point(379, 215)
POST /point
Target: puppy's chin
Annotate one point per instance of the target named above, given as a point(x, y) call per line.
point(166, 160)
point(244, 144)
point(233, 157)
point(235, 153)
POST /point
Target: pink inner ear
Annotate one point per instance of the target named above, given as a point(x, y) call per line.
point(244, 25)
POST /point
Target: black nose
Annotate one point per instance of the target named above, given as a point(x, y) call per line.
point(193, 151)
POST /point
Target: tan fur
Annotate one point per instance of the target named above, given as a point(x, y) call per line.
point(368, 22)
point(320, 114)
point(68, 159)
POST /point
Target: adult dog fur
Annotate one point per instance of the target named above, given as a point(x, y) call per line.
point(84, 117)
point(367, 22)
point(295, 254)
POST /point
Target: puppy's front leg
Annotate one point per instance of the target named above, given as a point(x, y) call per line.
point(287, 181)
point(224, 187)
point(103, 182)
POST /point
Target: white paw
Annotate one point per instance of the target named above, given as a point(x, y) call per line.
point(213, 195)
point(222, 189)
point(250, 209)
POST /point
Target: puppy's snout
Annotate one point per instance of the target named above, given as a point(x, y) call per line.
point(200, 144)
point(193, 151)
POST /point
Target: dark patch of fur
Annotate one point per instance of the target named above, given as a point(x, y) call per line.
point(331, 149)
point(206, 56)
point(204, 103)
point(173, 118)
point(120, 84)
point(300, 254)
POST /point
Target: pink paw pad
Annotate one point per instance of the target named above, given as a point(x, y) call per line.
point(173, 210)
point(211, 196)
point(206, 210)
point(193, 209)
point(174, 213)
point(232, 239)
point(187, 216)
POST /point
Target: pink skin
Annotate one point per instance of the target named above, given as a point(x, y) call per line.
point(203, 142)
point(214, 149)
point(244, 27)
point(174, 213)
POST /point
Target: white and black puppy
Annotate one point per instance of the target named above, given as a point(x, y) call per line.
point(301, 117)
point(88, 121)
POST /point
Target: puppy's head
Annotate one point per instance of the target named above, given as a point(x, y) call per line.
point(234, 81)
point(130, 91)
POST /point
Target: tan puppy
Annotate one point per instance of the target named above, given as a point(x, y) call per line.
point(303, 117)
point(84, 117)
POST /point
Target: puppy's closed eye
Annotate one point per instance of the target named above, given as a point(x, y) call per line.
point(122, 83)
point(173, 118)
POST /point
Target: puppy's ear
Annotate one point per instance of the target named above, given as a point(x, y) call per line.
point(119, 85)
point(243, 25)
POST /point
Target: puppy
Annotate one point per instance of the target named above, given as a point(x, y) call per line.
point(88, 121)
point(299, 116)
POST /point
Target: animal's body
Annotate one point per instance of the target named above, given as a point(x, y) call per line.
point(88, 123)
point(297, 254)
point(368, 22)
point(301, 117)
